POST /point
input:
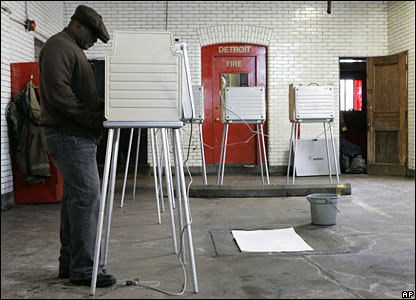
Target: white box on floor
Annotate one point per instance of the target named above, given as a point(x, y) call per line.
point(311, 157)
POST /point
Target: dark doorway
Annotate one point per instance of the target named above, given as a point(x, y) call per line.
point(38, 46)
point(353, 115)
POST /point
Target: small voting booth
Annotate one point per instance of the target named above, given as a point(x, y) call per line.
point(147, 86)
point(198, 94)
point(311, 104)
point(198, 118)
point(243, 105)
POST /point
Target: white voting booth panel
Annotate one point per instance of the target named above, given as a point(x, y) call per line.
point(244, 103)
point(312, 160)
point(198, 92)
point(143, 80)
point(311, 102)
point(147, 86)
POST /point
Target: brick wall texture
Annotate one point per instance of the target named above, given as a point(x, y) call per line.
point(303, 42)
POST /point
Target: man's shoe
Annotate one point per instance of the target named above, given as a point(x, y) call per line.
point(63, 275)
point(103, 280)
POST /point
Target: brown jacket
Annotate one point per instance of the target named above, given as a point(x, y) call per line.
point(27, 140)
point(68, 95)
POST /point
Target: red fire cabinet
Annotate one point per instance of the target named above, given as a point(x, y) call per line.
point(51, 189)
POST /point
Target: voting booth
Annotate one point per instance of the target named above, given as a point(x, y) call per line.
point(243, 105)
point(198, 118)
point(311, 104)
point(198, 96)
point(147, 85)
point(143, 78)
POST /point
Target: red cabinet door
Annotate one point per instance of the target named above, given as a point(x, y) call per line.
point(51, 189)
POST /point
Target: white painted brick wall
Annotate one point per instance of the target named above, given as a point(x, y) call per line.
point(401, 37)
point(303, 42)
point(121, 15)
point(17, 45)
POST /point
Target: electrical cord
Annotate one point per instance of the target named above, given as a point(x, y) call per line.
point(223, 104)
point(233, 144)
point(329, 124)
point(255, 132)
point(142, 283)
point(189, 143)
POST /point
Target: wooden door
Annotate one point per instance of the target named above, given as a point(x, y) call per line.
point(387, 115)
point(233, 65)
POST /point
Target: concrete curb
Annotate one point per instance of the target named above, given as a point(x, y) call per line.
point(256, 191)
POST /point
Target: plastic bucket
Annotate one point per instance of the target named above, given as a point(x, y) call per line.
point(323, 208)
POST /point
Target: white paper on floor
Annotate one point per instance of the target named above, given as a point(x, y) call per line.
point(277, 240)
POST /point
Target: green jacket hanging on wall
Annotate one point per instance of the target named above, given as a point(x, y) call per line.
point(26, 137)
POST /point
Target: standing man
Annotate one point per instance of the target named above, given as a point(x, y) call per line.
point(73, 116)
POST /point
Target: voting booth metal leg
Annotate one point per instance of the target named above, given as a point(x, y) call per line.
point(159, 167)
point(179, 197)
point(170, 172)
point(290, 153)
point(222, 150)
point(293, 146)
point(335, 157)
point(127, 167)
point(111, 190)
point(294, 150)
point(225, 153)
point(102, 208)
point(155, 175)
point(260, 156)
point(168, 187)
point(265, 154)
point(335, 152)
point(178, 149)
point(327, 155)
point(109, 181)
point(137, 161)
point(204, 167)
point(262, 149)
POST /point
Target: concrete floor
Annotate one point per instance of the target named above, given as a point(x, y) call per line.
point(369, 253)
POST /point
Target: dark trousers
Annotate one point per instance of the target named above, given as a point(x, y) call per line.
point(75, 159)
